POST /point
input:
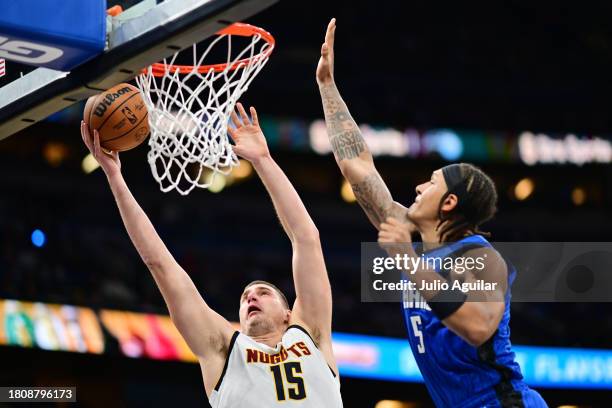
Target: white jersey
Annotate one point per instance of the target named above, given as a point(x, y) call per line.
point(292, 374)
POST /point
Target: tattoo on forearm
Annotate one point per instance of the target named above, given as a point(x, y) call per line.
point(347, 145)
point(374, 197)
point(340, 121)
point(344, 134)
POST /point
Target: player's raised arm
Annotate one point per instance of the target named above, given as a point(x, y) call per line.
point(313, 305)
point(205, 331)
point(349, 147)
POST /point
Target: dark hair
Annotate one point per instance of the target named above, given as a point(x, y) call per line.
point(262, 282)
point(478, 205)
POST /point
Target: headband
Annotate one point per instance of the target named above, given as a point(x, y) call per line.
point(455, 182)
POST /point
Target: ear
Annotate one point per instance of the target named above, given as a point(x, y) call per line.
point(287, 316)
point(450, 202)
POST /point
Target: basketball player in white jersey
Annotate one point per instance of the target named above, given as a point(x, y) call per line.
point(281, 356)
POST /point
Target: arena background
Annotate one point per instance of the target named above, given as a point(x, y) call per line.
point(463, 82)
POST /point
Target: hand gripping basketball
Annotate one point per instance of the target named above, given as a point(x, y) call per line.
point(120, 116)
point(325, 69)
point(109, 161)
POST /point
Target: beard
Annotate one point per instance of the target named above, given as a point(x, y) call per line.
point(260, 325)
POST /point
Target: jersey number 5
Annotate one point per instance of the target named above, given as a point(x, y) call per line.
point(295, 383)
point(415, 321)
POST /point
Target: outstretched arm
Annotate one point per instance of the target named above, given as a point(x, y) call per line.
point(205, 331)
point(313, 304)
point(349, 147)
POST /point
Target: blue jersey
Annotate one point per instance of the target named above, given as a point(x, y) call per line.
point(457, 374)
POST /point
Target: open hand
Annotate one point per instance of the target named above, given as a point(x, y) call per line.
point(250, 142)
point(109, 161)
point(325, 69)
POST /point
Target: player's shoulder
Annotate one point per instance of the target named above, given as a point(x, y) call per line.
point(477, 245)
point(488, 265)
point(487, 255)
point(298, 335)
point(297, 332)
point(300, 331)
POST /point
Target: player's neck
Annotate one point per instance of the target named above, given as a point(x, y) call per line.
point(269, 339)
point(431, 233)
point(430, 236)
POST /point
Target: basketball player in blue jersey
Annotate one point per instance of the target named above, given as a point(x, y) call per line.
point(282, 356)
point(461, 347)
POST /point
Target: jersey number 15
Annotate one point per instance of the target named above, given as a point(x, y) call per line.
point(288, 373)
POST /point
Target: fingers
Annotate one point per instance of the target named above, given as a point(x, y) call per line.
point(386, 232)
point(235, 120)
point(85, 135)
point(83, 130)
point(387, 226)
point(110, 153)
point(254, 116)
point(96, 144)
point(328, 45)
point(385, 236)
point(393, 221)
point(389, 233)
point(243, 114)
point(330, 33)
point(393, 224)
point(244, 119)
point(232, 132)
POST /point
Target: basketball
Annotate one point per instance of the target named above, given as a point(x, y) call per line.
point(120, 116)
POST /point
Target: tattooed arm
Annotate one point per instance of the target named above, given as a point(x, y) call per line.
point(355, 160)
point(349, 147)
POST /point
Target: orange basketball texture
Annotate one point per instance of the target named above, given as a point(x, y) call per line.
point(120, 116)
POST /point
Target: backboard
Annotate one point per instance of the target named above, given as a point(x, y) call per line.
point(145, 33)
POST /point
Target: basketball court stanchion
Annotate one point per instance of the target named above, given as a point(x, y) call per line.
point(143, 34)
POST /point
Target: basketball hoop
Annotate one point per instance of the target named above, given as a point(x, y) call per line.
point(190, 105)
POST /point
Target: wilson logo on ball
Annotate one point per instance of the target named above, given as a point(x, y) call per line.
point(108, 100)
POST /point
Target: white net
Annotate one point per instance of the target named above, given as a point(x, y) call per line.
point(189, 110)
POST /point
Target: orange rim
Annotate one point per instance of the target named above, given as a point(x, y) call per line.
point(114, 11)
point(240, 29)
